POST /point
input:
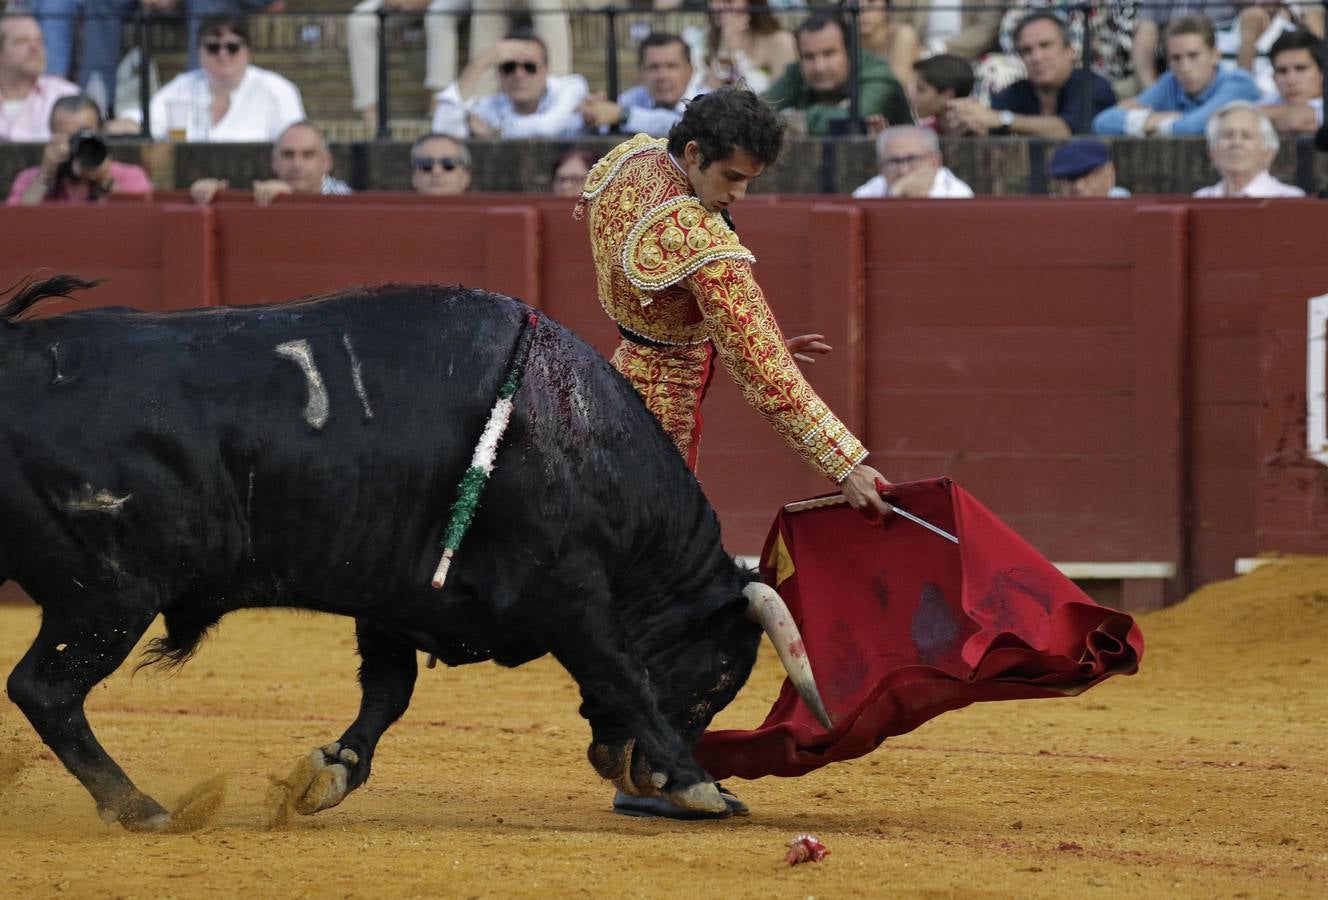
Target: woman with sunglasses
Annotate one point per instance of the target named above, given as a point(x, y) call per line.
point(228, 98)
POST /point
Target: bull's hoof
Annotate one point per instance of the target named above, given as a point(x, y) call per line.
point(627, 768)
point(318, 781)
point(138, 812)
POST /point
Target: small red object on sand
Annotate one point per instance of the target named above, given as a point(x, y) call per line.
point(805, 848)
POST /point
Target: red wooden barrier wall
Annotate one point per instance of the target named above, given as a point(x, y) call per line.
point(1119, 381)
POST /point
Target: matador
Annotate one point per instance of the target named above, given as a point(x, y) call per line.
point(673, 276)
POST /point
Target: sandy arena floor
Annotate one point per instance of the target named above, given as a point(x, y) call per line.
point(1206, 775)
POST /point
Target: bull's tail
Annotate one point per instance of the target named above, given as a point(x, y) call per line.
point(27, 293)
point(186, 626)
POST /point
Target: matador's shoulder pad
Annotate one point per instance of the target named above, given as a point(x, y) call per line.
point(675, 239)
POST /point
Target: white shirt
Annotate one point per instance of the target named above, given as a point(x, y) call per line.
point(944, 21)
point(556, 116)
point(1263, 185)
point(261, 108)
point(1273, 98)
point(946, 185)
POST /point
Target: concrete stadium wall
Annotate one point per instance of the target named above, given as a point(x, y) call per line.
point(1122, 382)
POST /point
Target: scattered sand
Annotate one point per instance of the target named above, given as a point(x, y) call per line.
point(1206, 775)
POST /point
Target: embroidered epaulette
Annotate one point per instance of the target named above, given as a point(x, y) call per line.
point(675, 239)
point(602, 172)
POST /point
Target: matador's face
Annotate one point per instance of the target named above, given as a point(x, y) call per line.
point(723, 181)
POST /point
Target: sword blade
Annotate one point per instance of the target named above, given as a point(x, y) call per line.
point(839, 499)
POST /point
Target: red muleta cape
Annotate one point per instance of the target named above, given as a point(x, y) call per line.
point(902, 625)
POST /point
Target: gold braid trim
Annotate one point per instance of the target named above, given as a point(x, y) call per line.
point(674, 240)
point(602, 172)
point(749, 343)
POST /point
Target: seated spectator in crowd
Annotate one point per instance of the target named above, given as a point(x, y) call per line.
point(813, 92)
point(1083, 168)
point(1258, 26)
point(229, 98)
point(936, 81)
point(570, 170)
point(76, 166)
point(1049, 102)
point(909, 160)
point(1298, 63)
point(740, 46)
point(944, 26)
point(1242, 144)
point(301, 162)
point(1154, 18)
point(530, 103)
point(442, 25)
point(884, 35)
point(1192, 89)
point(1110, 28)
point(656, 104)
point(27, 95)
point(439, 166)
point(103, 24)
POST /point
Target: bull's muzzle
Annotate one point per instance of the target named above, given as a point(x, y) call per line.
point(764, 605)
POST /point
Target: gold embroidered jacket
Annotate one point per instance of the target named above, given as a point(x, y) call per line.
point(674, 273)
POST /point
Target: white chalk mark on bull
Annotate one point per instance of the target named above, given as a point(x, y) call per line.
point(357, 376)
point(88, 500)
point(315, 409)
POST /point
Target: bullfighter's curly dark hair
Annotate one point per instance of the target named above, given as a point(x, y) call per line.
point(730, 117)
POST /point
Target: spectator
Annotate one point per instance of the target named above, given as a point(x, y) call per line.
point(1258, 26)
point(656, 104)
point(27, 95)
point(1242, 144)
point(740, 46)
point(76, 166)
point(936, 81)
point(1110, 27)
point(570, 170)
point(1049, 102)
point(1181, 101)
point(58, 20)
point(439, 166)
point(442, 24)
point(886, 36)
point(1083, 168)
point(530, 103)
point(228, 99)
point(104, 23)
point(300, 160)
point(1157, 15)
point(909, 159)
point(813, 92)
point(1298, 64)
point(944, 26)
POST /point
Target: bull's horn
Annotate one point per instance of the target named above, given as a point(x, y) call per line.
point(764, 605)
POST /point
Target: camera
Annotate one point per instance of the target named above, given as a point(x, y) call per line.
point(87, 150)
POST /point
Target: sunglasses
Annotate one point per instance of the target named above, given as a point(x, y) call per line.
point(426, 163)
point(510, 66)
point(231, 47)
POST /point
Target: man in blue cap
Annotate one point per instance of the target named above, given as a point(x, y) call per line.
point(1083, 168)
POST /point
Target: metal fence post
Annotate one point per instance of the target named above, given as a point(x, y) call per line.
point(1085, 123)
point(383, 132)
point(144, 71)
point(611, 52)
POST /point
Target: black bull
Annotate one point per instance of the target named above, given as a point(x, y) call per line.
point(306, 455)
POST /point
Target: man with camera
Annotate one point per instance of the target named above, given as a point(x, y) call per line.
point(76, 166)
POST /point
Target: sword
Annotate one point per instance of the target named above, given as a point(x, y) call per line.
point(839, 500)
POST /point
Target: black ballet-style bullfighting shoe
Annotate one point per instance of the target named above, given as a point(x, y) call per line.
point(660, 807)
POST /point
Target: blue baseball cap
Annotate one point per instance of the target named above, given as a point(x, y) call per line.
point(1077, 158)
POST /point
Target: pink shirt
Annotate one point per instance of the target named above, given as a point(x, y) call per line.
point(129, 179)
point(32, 120)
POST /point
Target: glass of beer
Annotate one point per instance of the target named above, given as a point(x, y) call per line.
point(178, 114)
